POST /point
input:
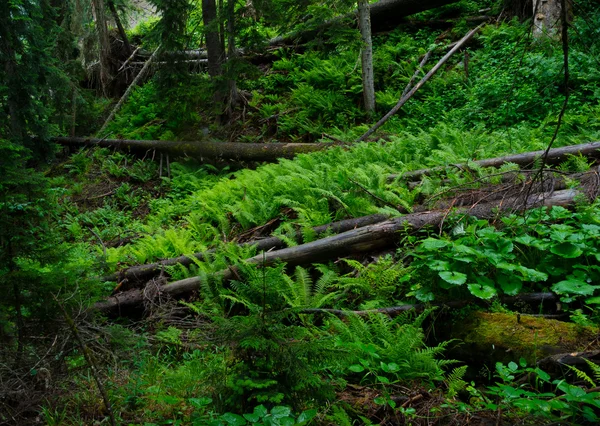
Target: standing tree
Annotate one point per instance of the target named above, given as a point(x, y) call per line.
point(368, 80)
point(103, 44)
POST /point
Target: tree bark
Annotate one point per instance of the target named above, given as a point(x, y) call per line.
point(362, 240)
point(214, 48)
point(232, 55)
point(368, 79)
point(122, 33)
point(103, 43)
point(144, 271)
point(547, 18)
point(555, 156)
point(205, 149)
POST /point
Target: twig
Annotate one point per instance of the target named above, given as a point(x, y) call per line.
point(87, 354)
point(424, 80)
point(101, 242)
point(128, 59)
point(565, 48)
point(125, 96)
point(417, 72)
point(375, 196)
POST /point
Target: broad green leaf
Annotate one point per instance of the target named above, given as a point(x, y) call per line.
point(438, 265)
point(306, 415)
point(510, 284)
point(200, 402)
point(431, 244)
point(452, 277)
point(566, 250)
point(512, 366)
point(593, 301)
point(233, 419)
point(482, 291)
point(356, 368)
point(260, 410)
point(280, 411)
point(252, 418)
point(573, 286)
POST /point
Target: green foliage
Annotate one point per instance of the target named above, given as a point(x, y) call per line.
point(566, 402)
point(387, 351)
point(528, 254)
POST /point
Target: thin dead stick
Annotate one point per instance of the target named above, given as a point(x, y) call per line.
point(134, 83)
point(417, 72)
point(128, 59)
point(420, 84)
point(89, 358)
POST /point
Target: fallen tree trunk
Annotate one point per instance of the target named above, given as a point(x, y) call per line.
point(145, 271)
point(360, 240)
point(205, 149)
point(555, 156)
point(405, 98)
point(537, 298)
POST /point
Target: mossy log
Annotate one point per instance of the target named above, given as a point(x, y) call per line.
point(527, 159)
point(145, 271)
point(204, 149)
point(505, 337)
point(362, 240)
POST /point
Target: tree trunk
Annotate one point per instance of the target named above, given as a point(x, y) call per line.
point(546, 20)
point(368, 79)
point(205, 149)
point(555, 156)
point(362, 240)
point(144, 271)
point(385, 15)
point(103, 44)
point(214, 48)
point(232, 54)
point(122, 33)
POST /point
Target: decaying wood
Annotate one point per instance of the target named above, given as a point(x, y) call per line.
point(361, 240)
point(527, 159)
point(455, 304)
point(205, 149)
point(420, 84)
point(125, 96)
point(141, 272)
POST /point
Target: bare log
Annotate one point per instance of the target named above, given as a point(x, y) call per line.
point(361, 240)
point(145, 271)
point(455, 304)
point(424, 80)
point(205, 149)
point(555, 156)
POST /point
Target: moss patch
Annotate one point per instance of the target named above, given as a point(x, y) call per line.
point(506, 337)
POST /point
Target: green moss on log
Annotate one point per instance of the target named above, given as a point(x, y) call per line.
point(508, 337)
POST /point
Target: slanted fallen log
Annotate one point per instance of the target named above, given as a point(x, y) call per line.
point(361, 240)
point(145, 271)
point(555, 156)
point(406, 97)
point(205, 149)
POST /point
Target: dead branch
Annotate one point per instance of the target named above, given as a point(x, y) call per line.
point(527, 159)
point(424, 80)
point(361, 240)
